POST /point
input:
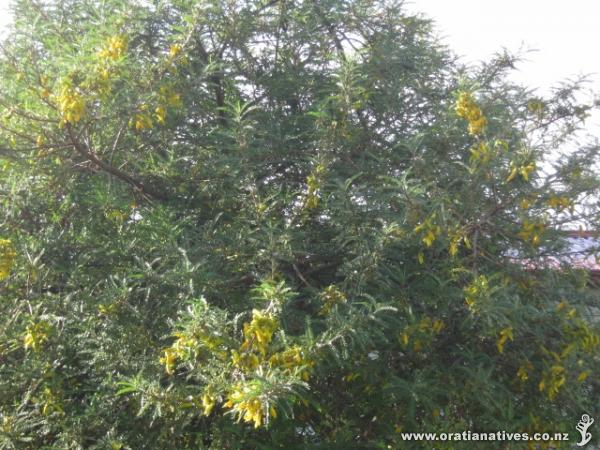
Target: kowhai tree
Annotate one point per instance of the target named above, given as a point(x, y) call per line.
point(264, 224)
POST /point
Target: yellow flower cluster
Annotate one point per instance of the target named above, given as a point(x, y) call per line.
point(429, 229)
point(259, 332)
point(559, 203)
point(552, 380)
point(523, 170)
point(524, 370)
point(245, 361)
point(526, 203)
point(330, 297)
point(505, 334)
point(290, 359)
point(208, 403)
point(467, 109)
point(182, 349)
point(144, 120)
point(161, 114)
point(71, 105)
point(50, 402)
point(114, 48)
point(169, 97)
point(455, 238)
point(248, 406)
point(174, 50)
point(36, 335)
point(480, 154)
point(424, 330)
point(313, 184)
point(532, 232)
point(476, 291)
point(7, 258)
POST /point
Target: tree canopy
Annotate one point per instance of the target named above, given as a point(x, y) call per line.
point(265, 224)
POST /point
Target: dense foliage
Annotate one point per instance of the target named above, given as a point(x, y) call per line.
point(264, 224)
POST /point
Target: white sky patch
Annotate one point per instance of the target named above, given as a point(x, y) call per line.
point(563, 34)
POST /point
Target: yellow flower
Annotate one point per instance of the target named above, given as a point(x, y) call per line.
point(36, 335)
point(583, 376)
point(168, 97)
point(208, 403)
point(532, 232)
point(552, 380)
point(475, 292)
point(161, 114)
point(405, 339)
point(249, 406)
point(174, 50)
point(467, 109)
point(437, 326)
point(7, 257)
point(522, 373)
point(169, 359)
point(290, 359)
point(430, 231)
point(523, 170)
point(245, 361)
point(50, 403)
point(71, 105)
point(114, 48)
point(559, 203)
point(331, 296)
point(142, 121)
point(259, 332)
point(480, 154)
point(525, 204)
point(505, 334)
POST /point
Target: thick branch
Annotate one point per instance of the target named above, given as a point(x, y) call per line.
point(117, 173)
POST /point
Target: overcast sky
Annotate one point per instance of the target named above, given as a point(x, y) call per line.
point(564, 34)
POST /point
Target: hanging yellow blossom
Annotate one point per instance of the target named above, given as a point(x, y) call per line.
point(7, 257)
point(475, 292)
point(467, 109)
point(161, 114)
point(505, 334)
point(523, 170)
point(552, 380)
point(583, 376)
point(259, 332)
point(523, 372)
point(71, 105)
point(169, 97)
point(532, 232)
point(174, 50)
point(36, 335)
point(245, 361)
point(142, 121)
point(525, 203)
point(429, 230)
point(291, 359)
point(248, 406)
point(208, 403)
point(330, 297)
point(114, 48)
point(50, 402)
point(169, 360)
point(480, 154)
point(559, 203)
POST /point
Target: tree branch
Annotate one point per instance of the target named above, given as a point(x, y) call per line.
point(117, 173)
